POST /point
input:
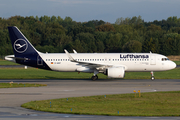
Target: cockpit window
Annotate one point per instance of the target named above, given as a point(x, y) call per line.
point(165, 59)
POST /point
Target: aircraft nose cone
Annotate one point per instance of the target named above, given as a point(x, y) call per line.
point(173, 65)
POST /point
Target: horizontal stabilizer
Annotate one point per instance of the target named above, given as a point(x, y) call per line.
point(13, 58)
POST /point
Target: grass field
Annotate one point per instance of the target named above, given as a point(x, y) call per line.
point(15, 85)
point(5, 62)
point(177, 62)
point(32, 73)
point(149, 104)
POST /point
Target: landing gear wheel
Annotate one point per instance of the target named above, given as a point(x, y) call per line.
point(94, 78)
point(152, 75)
point(152, 78)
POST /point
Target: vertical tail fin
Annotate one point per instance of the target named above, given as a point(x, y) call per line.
point(21, 45)
point(24, 52)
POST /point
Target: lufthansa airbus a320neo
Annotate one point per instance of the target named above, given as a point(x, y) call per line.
point(114, 65)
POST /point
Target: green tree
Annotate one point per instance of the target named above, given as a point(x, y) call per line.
point(132, 46)
point(105, 28)
point(113, 43)
point(149, 45)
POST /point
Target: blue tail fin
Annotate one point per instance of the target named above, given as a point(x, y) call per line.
point(21, 45)
point(24, 52)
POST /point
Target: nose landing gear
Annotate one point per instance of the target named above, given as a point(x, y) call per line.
point(152, 76)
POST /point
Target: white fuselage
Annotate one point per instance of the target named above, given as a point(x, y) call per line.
point(131, 61)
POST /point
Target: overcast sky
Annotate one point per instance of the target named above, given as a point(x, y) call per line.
point(86, 10)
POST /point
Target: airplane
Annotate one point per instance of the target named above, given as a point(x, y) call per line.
point(114, 65)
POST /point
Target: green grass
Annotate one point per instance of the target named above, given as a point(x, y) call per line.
point(149, 104)
point(5, 62)
point(15, 85)
point(171, 74)
point(177, 62)
point(32, 73)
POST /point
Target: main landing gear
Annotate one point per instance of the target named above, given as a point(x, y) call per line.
point(95, 77)
point(152, 76)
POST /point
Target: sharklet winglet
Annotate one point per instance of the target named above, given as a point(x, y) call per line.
point(69, 56)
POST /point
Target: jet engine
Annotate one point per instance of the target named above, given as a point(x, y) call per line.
point(115, 72)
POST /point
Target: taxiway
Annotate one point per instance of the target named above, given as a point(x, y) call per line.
point(12, 98)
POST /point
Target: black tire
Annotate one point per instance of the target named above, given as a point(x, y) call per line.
point(94, 78)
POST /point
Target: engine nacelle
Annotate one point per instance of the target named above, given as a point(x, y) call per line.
point(115, 72)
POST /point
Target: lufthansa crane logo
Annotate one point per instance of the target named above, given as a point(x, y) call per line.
point(20, 45)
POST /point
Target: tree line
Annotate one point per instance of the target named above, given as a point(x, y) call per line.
point(54, 34)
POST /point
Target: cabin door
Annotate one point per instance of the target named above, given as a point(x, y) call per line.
point(153, 60)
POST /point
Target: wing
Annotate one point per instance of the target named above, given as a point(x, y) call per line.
point(88, 64)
